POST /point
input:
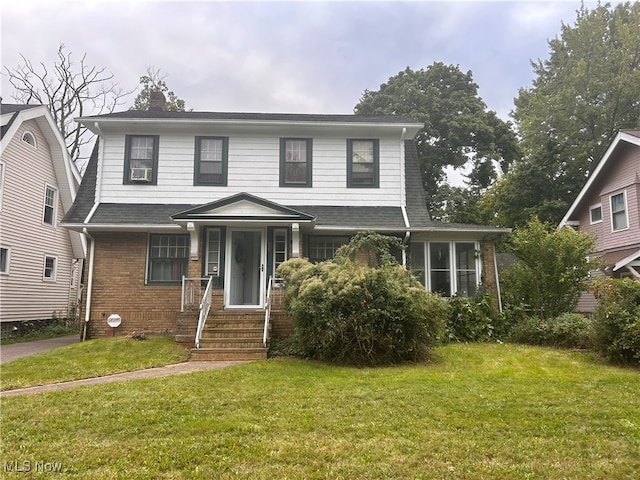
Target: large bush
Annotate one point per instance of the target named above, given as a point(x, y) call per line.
point(569, 330)
point(348, 312)
point(551, 268)
point(471, 319)
point(617, 320)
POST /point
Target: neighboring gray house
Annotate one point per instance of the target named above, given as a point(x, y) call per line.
point(230, 196)
point(40, 261)
point(608, 207)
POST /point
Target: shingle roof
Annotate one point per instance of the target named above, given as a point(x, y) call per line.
point(416, 202)
point(248, 116)
point(358, 218)
point(7, 108)
point(85, 197)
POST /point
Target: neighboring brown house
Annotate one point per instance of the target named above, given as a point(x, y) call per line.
point(173, 199)
point(608, 207)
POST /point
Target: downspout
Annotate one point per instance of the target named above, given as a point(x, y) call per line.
point(495, 268)
point(403, 197)
point(87, 312)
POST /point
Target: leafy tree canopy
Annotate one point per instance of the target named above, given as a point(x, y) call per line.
point(154, 80)
point(586, 92)
point(458, 126)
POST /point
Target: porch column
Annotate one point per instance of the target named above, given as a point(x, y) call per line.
point(295, 240)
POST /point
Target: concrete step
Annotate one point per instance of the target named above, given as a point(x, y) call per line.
point(218, 332)
point(231, 342)
point(224, 354)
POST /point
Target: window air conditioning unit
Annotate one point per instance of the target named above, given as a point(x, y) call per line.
point(140, 174)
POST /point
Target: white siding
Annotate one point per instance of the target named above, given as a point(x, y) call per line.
point(253, 167)
point(25, 296)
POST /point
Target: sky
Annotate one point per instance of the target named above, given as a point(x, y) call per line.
point(290, 57)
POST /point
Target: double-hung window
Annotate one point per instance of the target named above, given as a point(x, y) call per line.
point(595, 213)
point(141, 159)
point(295, 162)
point(363, 161)
point(50, 268)
point(619, 212)
point(49, 208)
point(211, 159)
point(168, 258)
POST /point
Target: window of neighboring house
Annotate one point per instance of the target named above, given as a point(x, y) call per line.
point(141, 159)
point(5, 258)
point(324, 248)
point(280, 244)
point(295, 162)
point(619, 212)
point(211, 158)
point(213, 252)
point(446, 268)
point(49, 212)
point(168, 258)
point(363, 158)
point(595, 213)
point(50, 267)
point(1, 183)
point(30, 139)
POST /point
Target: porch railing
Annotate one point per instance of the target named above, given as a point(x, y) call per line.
point(271, 285)
point(205, 306)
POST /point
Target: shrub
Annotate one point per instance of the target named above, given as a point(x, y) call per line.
point(347, 312)
point(617, 320)
point(471, 319)
point(569, 330)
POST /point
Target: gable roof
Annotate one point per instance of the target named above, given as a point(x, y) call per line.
point(623, 137)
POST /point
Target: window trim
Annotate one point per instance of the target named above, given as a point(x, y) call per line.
point(54, 274)
point(148, 280)
point(126, 174)
point(7, 266)
point(309, 163)
point(347, 238)
point(626, 211)
point(276, 232)
point(54, 209)
point(3, 169)
point(376, 162)
point(29, 134)
point(220, 272)
point(592, 208)
point(197, 161)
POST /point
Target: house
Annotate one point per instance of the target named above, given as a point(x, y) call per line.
point(608, 207)
point(171, 199)
point(40, 262)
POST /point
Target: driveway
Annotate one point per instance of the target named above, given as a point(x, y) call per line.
point(19, 350)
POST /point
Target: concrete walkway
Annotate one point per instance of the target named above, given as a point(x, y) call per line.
point(176, 369)
point(19, 350)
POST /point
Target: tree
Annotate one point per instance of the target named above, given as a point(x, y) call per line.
point(587, 90)
point(458, 127)
point(154, 80)
point(70, 90)
point(551, 271)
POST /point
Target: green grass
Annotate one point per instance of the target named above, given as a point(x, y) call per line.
point(476, 411)
point(50, 331)
point(93, 358)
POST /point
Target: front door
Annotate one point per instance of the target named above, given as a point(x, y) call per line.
point(245, 267)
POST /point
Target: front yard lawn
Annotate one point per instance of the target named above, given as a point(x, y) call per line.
point(477, 411)
point(93, 358)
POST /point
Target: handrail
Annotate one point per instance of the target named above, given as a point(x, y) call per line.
point(205, 306)
point(267, 312)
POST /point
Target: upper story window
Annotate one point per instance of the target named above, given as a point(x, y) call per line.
point(619, 219)
point(49, 210)
point(141, 159)
point(29, 138)
point(595, 213)
point(211, 158)
point(363, 159)
point(295, 162)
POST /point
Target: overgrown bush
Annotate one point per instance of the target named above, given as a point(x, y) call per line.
point(549, 275)
point(347, 312)
point(569, 330)
point(617, 320)
point(471, 319)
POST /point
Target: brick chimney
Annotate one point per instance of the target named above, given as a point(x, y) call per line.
point(157, 101)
